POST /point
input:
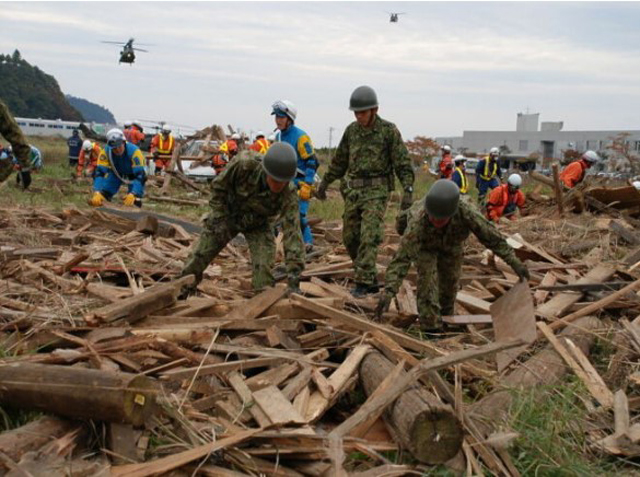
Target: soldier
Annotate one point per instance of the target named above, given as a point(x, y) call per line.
point(21, 150)
point(370, 151)
point(434, 241)
point(248, 197)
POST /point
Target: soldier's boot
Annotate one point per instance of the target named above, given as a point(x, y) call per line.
point(363, 289)
point(431, 326)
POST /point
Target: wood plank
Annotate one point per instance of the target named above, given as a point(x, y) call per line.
point(472, 303)
point(219, 368)
point(246, 397)
point(258, 304)
point(548, 280)
point(467, 319)
point(276, 407)
point(621, 413)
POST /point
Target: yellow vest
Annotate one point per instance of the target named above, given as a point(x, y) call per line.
point(165, 147)
point(487, 176)
point(464, 185)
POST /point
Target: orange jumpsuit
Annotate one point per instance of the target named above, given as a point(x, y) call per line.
point(260, 145)
point(227, 149)
point(133, 135)
point(573, 174)
point(446, 167)
point(164, 147)
point(88, 161)
point(502, 203)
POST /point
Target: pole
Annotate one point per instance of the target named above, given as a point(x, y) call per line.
point(558, 189)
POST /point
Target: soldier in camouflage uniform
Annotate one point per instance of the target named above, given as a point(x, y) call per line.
point(21, 150)
point(370, 152)
point(248, 197)
point(438, 228)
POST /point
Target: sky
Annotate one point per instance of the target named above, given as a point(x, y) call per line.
point(445, 67)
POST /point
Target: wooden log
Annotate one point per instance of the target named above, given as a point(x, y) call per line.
point(557, 187)
point(418, 420)
point(78, 392)
point(147, 224)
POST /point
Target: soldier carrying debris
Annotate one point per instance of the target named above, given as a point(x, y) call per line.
point(370, 151)
point(434, 241)
point(12, 133)
point(248, 197)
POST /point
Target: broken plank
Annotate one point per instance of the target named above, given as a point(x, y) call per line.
point(219, 368)
point(278, 409)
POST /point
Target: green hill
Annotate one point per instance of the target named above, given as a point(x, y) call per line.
point(91, 111)
point(31, 93)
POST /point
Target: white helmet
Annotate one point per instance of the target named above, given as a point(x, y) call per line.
point(259, 134)
point(494, 151)
point(235, 136)
point(636, 184)
point(115, 138)
point(166, 129)
point(127, 124)
point(446, 148)
point(87, 145)
point(272, 137)
point(459, 158)
point(285, 107)
point(591, 157)
point(515, 180)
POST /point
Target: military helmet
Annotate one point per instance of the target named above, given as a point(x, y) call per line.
point(280, 162)
point(363, 98)
point(442, 199)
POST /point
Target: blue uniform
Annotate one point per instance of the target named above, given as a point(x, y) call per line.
point(488, 175)
point(307, 166)
point(75, 145)
point(130, 166)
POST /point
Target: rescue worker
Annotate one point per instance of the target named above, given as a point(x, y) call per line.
point(260, 145)
point(459, 176)
point(271, 138)
point(75, 145)
point(505, 199)
point(434, 241)
point(574, 173)
point(120, 163)
point(227, 151)
point(162, 144)
point(10, 130)
point(285, 114)
point(488, 174)
point(88, 159)
point(446, 164)
point(135, 133)
point(370, 152)
point(249, 197)
point(35, 162)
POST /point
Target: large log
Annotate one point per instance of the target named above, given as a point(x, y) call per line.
point(418, 421)
point(544, 368)
point(78, 392)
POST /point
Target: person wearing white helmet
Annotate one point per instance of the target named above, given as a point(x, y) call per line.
point(488, 174)
point(260, 145)
point(227, 151)
point(574, 173)
point(459, 175)
point(88, 158)
point(271, 138)
point(286, 114)
point(134, 133)
point(504, 200)
point(446, 164)
point(162, 146)
point(120, 163)
point(636, 184)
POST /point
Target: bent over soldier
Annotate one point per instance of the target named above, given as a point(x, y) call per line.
point(249, 196)
point(370, 152)
point(10, 130)
point(438, 228)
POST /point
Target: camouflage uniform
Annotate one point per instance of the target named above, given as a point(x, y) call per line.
point(242, 202)
point(438, 255)
point(10, 130)
point(366, 159)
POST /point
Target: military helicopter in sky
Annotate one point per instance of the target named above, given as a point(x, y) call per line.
point(393, 17)
point(127, 54)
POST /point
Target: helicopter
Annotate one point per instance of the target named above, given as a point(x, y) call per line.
point(127, 54)
point(393, 17)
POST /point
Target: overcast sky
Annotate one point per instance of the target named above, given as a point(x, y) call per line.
point(443, 68)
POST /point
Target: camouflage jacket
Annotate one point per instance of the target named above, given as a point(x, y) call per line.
point(371, 152)
point(241, 197)
point(422, 237)
point(10, 130)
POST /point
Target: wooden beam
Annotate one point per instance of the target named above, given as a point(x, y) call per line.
point(557, 187)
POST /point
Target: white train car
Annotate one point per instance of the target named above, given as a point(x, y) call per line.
point(46, 127)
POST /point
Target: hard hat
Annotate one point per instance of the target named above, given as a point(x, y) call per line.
point(87, 145)
point(280, 162)
point(363, 98)
point(166, 129)
point(259, 134)
point(446, 148)
point(515, 180)
point(115, 138)
point(272, 137)
point(591, 157)
point(442, 199)
point(494, 151)
point(127, 124)
point(636, 184)
point(235, 136)
point(459, 158)
point(283, 108)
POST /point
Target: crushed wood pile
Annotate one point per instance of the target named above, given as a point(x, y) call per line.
point(133, 381)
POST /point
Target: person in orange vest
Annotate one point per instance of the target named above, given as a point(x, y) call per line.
point(227, 151)
point(133, 132)
point(574, 173)
point(88, 158)
point(162, 144)
point(446, 164)
point(260, 145)
point(459, 175)
point(505, 199)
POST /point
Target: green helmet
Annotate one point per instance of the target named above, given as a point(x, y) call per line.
point(363, 98)
point(442, 199)
point(280, 162)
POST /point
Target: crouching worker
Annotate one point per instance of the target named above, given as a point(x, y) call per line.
point(248, 197)
point(434, 239)
point(120, 163)
point(506, 199)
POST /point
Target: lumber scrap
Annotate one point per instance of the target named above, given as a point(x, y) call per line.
point(557, 188)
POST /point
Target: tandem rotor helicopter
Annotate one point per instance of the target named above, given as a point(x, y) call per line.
point(127, 54)
point(393, 17)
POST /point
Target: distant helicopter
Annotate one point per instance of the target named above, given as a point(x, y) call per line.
point(127, 54)
point(393, 17)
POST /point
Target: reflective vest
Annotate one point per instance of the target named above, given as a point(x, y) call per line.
point(488, 176)
point(464, 185)
point(260, 145)
point(165, 147)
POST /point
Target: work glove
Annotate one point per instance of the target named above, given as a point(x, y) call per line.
point(129, 200)
point(96, 200)
point(305, 191)
point(407, 200)
point(402, 220)
point(293, 284)
point(321, 193)
point(521, 270)
point(26, 179)
point(383, 305)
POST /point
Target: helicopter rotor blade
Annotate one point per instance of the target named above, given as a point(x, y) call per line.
point(146, 44)
point(140, 49)
point(114, 42)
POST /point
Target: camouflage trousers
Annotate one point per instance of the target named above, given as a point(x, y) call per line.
point(363, 231)
point(6, 168)
point(217, 234)
point(438, 277)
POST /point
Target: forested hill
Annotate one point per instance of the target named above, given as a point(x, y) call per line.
point(91, 111)
point(31, 93)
